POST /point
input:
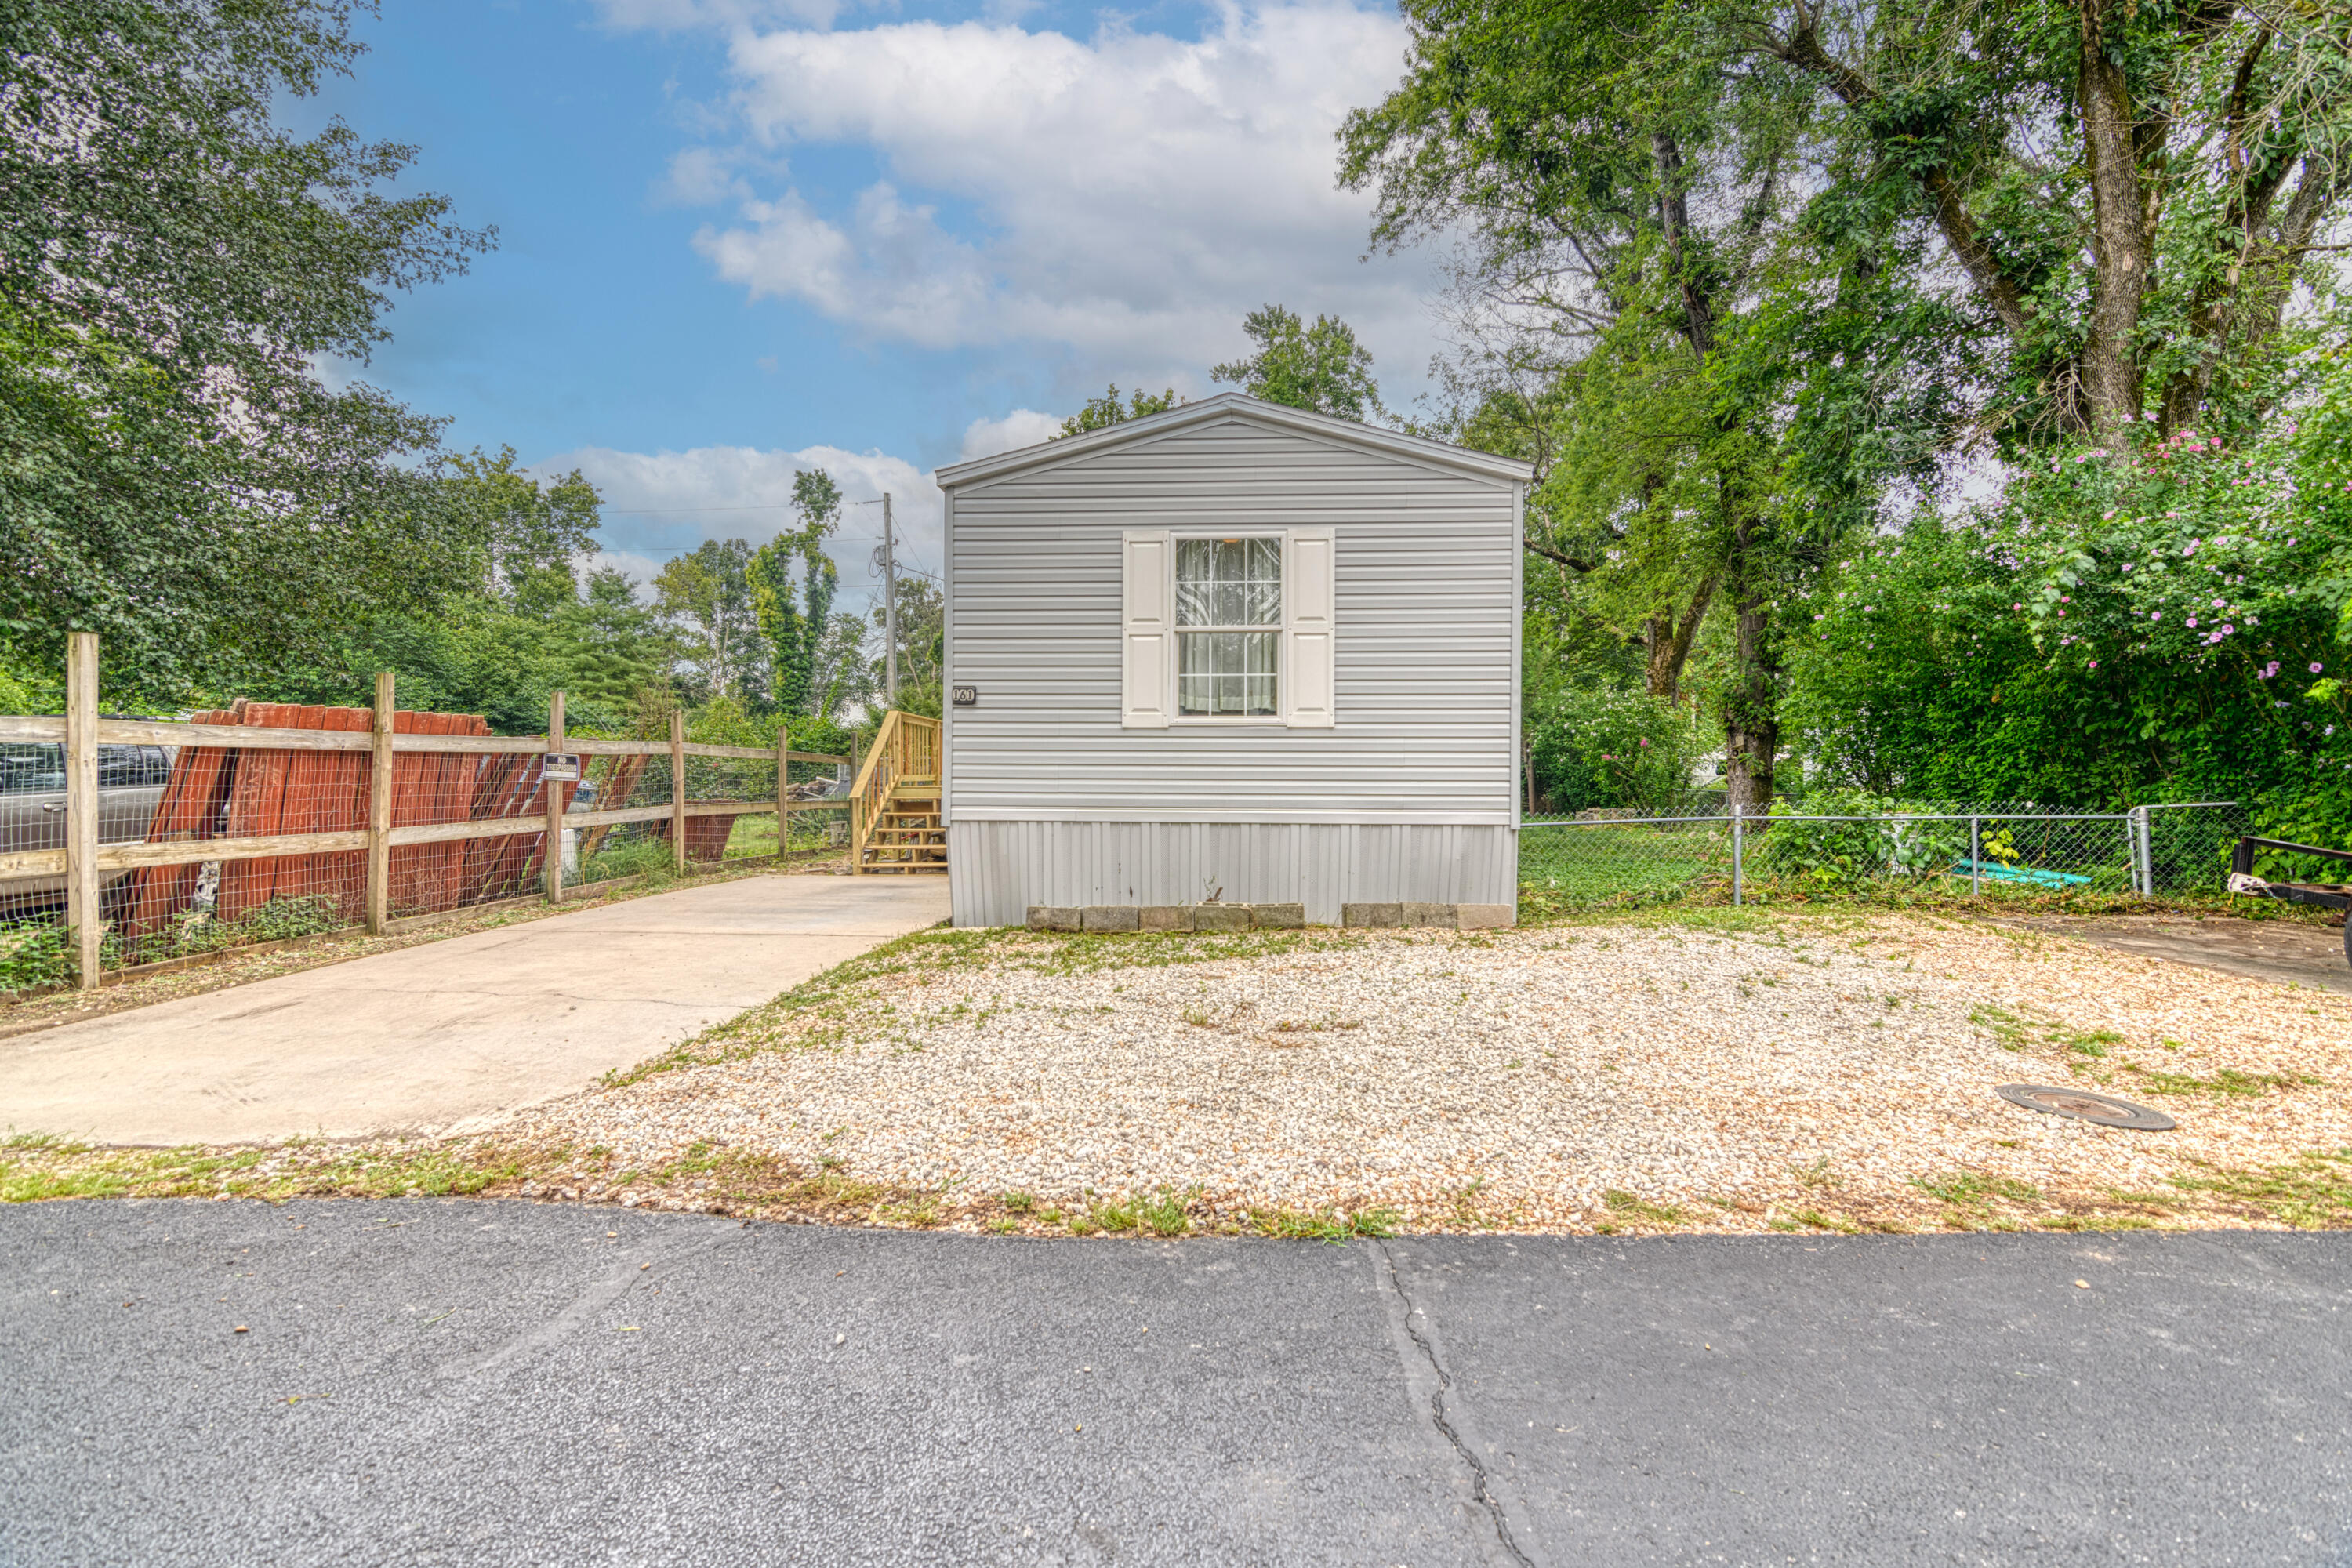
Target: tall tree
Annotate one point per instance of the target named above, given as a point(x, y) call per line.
point(174, 473)
point(1639, 316)
point(1321, 367)
point(2129, 190)
point(1102, 413)
point(533, 531)
point(707, 593)
point(794, 632)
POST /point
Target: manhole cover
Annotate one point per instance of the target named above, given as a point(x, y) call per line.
point(2103, 1109)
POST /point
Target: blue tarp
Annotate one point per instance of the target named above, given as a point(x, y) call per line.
point(1994, 871)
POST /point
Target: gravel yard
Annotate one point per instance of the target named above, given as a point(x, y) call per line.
point(1722, 1071)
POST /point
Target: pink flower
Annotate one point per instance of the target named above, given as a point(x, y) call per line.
point(2192, 620)
point(2227, 628)
point(2095, 664)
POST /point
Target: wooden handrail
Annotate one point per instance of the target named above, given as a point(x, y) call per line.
point(907, 747)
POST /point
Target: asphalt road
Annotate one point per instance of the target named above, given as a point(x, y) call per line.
point(493, 1383)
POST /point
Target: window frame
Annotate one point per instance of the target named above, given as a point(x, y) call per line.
point(1177, 718)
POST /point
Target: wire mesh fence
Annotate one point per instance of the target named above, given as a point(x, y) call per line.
point(2007, 848)
point(322, 822)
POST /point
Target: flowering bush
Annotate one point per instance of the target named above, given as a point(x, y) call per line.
point(1610, 746)
point(2170, 623)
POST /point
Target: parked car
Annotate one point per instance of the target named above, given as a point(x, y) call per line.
point(131, 781)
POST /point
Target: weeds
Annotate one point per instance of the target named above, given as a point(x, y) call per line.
point(1629, 1206)
point(1974, 1189)
point(2228, 1082)
point(2312, 1192)
point(1322, 1224)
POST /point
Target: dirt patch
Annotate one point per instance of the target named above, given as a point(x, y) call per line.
point(2292, 952)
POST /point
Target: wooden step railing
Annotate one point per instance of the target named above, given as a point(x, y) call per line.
point(904, 760)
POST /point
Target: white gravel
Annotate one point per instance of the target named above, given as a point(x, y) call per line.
point(1502, 1080)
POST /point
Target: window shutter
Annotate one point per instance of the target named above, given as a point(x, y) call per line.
point(1147, 636)
point(1307, 593)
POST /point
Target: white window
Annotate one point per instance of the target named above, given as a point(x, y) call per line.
point(1226, 628)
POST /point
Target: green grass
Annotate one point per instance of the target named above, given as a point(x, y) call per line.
point(2227, 1083)
point(1628, 1206)
point(2312, 1192)
point(1971, 1193)
point(1321, 1225)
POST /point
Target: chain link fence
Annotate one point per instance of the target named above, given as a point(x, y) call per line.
point(2007, 849)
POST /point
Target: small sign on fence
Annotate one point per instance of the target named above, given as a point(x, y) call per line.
point(563, 767)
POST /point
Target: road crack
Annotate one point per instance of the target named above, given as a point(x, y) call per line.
point(1479, 1482)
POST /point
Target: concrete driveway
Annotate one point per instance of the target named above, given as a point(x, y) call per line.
point(486, 1384)
point(450, 1034)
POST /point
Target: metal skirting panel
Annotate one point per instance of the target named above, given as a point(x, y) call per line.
point(1000, 868)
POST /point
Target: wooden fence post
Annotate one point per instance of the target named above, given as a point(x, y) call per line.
point(783, 801)
point(678, 788)
point(378, 822)
point(554, 857)
point(82, 801)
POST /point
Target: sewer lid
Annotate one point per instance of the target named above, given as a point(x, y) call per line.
point(2081, 1104)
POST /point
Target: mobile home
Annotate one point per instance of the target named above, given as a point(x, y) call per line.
point(1233, 654)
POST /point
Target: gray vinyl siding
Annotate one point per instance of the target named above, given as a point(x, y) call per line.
point(998, 868)
point(1424, 671)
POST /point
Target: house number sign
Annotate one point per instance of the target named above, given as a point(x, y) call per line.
point(966, 696)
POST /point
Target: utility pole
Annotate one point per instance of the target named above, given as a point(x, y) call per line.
point(889, 610)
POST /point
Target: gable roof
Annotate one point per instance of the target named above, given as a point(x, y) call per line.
point(1240, 409)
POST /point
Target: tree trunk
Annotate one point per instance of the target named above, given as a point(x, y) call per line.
point(1751, 712)
point(1669, 646)
point(2120, 218)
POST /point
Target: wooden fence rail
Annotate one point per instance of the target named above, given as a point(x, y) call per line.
point(83, 860)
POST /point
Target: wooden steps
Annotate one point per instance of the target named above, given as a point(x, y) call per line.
point(896, 827)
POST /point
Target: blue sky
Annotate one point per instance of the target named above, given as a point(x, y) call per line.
point(737, 237)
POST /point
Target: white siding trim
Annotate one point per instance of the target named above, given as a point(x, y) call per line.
point(1238, 406)
point(947, 664)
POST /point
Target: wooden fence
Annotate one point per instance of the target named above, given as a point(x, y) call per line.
point(504, 803)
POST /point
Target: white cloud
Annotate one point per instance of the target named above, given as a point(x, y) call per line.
point(700, 177)
point(1129, 196)
point(660, 504)
point(1021, 427)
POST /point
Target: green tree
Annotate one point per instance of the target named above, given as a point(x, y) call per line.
point(844, 678)
point(794, 633)
point(707, 593)
point(174, 266)
point(922, 642)
point(2126, 193)
point(1321, 367)
point(1102, 413)
point(534, 533)
point(1654, 314)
